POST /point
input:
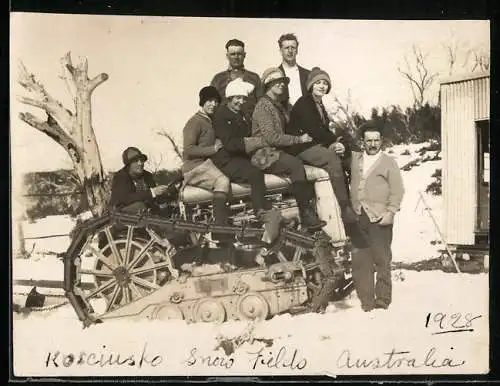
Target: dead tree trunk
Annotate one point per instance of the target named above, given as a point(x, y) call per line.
point(72, 130)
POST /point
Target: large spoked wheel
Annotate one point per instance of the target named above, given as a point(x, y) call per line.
point(126, 268)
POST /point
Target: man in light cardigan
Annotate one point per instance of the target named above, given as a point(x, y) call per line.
point(376, 194)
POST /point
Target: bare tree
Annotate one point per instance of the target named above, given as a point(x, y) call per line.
point(346, 109)
point(469, 59)
point(339, 111)
point(71, 129)
point(176, 148)
point(155, 163)
point(418, 75)
point(480, 60)
point(451, 53)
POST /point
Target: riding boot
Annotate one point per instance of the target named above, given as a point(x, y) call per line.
point(221, 214)
point(304, 195)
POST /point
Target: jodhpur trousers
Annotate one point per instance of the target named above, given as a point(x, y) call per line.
point(327, 159)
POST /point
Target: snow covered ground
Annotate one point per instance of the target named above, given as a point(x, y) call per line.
point(322, 342)
point(344, 340)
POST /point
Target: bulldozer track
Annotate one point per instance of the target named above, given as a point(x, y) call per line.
point(128, 272)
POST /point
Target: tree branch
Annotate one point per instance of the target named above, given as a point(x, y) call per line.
point(172, 141)
point(97, 80)
point(54, 131)
point(42, 98)
point(345, 110)
point(33, 102)
point(420, 78)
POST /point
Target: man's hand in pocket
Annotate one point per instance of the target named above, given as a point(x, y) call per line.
point(387, 219)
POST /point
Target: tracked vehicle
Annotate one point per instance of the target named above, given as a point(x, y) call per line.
point(144, 265)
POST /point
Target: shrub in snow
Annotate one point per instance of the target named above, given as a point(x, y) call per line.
point(435, 187)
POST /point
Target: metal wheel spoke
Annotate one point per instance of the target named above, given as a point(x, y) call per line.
point(114, 296)
point(145, 283)
point(135, 290)
point(130, 234)
point(102, 288)
point(141, 254)
point(112, 244)
point(281, 257)
point(150, 268)
point(102, 258)
point(126, 295)
point(95, 272)
point(297, 254)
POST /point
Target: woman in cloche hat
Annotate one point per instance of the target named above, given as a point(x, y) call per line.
point(308, 115)
point(268, 122)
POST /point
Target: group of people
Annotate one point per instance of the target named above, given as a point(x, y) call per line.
point(250, 125)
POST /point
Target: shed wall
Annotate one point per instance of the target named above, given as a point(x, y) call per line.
point(462, 103)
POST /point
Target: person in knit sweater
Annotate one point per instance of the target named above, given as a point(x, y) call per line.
point(268, 122)
point(199, 145)
point(377, 190)
point(309, 116)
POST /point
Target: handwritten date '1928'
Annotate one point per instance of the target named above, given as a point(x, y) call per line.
point(447, 323)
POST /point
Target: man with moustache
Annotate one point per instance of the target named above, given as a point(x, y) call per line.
point(376, 193)
point(289, 48)
point(235, 53)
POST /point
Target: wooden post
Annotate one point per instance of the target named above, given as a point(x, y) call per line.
point(450, 254)
point(21, 243)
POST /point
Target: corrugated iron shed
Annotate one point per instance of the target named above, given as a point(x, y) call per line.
point(464, 101)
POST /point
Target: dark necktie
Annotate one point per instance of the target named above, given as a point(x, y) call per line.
point(322, 111)
point(140, 184)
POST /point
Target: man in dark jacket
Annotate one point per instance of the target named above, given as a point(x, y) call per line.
point(133, 188)
point(289, 48)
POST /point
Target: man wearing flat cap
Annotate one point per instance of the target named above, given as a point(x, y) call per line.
point(133, 189)
point(235, 53)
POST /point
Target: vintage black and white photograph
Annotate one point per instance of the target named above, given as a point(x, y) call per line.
point(197, 196)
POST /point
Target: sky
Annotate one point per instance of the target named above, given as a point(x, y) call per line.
point(157, 65)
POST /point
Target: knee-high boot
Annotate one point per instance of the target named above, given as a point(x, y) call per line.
point(221, 214)
point(304, 195)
